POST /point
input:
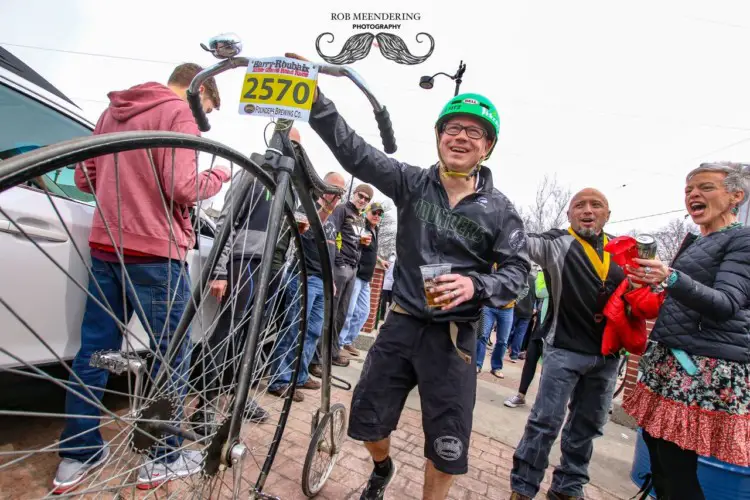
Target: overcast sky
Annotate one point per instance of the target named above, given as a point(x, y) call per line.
point(626, 97)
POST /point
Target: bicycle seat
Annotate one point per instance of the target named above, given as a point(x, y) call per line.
point(317, 185)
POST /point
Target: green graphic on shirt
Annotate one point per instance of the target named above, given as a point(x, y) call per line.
point(446, 219)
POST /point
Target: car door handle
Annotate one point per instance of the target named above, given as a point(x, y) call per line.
point(33, 232)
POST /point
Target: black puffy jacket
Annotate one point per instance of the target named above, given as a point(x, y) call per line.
point(706, 311)
point(483, 229)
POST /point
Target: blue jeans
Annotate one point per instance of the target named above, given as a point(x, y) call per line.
point(518, 332)
point(359, 310)
point(161, 289)
point(504, 320)
point(583, 383)
point(285, 352)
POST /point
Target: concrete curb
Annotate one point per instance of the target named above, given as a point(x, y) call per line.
point(364, 341)
point(620, 417)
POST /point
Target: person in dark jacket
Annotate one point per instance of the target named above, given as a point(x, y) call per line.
point(576, 376)
point(448, 213)
point(359, 304)
point(522, 314)
point(535, 343)
point(285, 354)
point(235, 272)
point(348, 251)
point(694, 395)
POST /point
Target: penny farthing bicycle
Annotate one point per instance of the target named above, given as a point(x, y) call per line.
point(168, 385)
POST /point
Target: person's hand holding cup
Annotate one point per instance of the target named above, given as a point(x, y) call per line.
point(430, 275)
point(302, 223)
point(365, 238)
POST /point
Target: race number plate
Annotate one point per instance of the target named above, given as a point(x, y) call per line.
point(279, 87)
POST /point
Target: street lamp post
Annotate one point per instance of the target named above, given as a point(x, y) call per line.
point(427, 82)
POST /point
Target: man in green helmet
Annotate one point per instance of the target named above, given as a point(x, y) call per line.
point(449, 213)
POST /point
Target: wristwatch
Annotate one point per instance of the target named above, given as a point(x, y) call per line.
point(670, 280)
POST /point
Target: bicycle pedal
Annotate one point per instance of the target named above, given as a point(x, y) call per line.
point(117, 362)
point(257, 495)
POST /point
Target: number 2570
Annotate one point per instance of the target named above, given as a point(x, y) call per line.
point(279, 89)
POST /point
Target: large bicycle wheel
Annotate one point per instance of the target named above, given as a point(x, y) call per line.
point(119, 359)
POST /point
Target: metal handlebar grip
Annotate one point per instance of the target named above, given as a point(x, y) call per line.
point(194, 100)
point(386, 130)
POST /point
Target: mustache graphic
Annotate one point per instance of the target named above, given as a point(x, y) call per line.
point(358, 46)
point(393, 47)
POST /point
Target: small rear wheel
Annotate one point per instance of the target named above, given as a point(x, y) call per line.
point(324, 450)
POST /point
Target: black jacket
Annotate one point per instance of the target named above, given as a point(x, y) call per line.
point(331, 228)
point(577, 294)
point(706, 311)
point(347, 241)
point(480, 230)
point(369, 256)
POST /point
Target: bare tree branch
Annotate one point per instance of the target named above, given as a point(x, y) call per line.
point(549, 208)
point(670, 237)
point(387, 233)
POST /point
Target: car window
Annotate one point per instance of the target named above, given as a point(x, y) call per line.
point(27, 124)
point(63, 179)
point(204, 229)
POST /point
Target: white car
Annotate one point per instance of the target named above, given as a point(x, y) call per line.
point(33, 114)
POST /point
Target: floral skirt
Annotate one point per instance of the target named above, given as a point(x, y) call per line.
point(708, 413)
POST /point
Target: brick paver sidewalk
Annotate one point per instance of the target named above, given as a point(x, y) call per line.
point(490, 462)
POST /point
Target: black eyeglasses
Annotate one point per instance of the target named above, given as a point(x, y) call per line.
point(377, 212)
point(363, 197)
point(471, 132)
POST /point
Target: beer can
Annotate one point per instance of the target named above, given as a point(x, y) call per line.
point(646, 245)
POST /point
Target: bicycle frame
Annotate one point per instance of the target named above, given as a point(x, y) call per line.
point(280, 161)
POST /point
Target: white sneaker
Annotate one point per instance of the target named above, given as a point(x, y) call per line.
point(71, 472)
point(155, 473)
point(515, 401)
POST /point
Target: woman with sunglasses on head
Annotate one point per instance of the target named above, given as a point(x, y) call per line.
point(694, 393)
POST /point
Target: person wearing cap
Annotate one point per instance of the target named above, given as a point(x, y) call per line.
point(348, 244)
point(359, 305)
point(448, 213)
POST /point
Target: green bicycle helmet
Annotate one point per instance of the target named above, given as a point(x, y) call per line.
point(477, 106)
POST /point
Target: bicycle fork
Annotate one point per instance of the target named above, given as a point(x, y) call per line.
point(232, 445)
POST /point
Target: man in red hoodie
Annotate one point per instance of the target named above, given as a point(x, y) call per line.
point(142, 217)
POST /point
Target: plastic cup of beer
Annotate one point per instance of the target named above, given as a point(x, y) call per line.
point(430, 273)
point(302, 222)
point(365, 238)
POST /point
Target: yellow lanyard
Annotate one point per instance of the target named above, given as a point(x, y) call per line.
point(602, 268)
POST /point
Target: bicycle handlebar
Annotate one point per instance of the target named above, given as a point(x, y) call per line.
point(381, 113)
point(194, 100)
